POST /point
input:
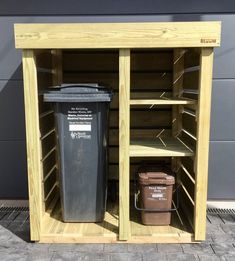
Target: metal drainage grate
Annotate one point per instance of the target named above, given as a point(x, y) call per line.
point(230, 211)
point(15, 209)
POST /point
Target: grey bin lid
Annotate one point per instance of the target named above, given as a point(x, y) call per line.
point(80, 92)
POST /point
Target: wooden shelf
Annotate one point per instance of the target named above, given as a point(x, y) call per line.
point(162, 101)
point(160, 147)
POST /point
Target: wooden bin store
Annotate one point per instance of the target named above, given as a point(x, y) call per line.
point(161, 76)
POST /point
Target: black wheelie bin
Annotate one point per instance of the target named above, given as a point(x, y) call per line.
point(81, 115)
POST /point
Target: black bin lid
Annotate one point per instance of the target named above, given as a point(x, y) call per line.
point(80, 92)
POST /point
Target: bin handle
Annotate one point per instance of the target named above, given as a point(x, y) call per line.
point(157, 209)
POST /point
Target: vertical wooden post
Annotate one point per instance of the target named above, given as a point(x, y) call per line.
point(124, 142)
point(57, 70)
point(202, 150)
point(33, 142)
point(178, 74)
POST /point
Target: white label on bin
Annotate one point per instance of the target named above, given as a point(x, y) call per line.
point(80, 127)
point(157, 195)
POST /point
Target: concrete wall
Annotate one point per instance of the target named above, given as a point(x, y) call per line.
point(13, 180)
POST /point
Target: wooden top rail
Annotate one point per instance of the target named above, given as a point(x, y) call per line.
point(118, 35)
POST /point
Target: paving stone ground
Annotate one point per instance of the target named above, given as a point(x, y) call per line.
point(16, 246)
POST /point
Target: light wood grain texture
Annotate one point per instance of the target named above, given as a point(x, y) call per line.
point(33, 143)
point(163, 147)
point(162, 101)
point(124, 141)
point(56, 231)
point(118, 35)
point(202, 150)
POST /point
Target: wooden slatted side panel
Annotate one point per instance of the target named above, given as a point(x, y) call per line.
point(33, 143)
point(151, 77)
point(124, 142)
point(46, 74)
point(202, 150)
point(189, 130)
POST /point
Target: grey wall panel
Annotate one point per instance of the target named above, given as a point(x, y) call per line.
point(85, 7)
point(13, 177)
point(222, 110)
point(221, 170)
point(12, 125)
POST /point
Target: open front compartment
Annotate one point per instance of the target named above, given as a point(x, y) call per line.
point(180, 228)
point(54, 68)
point(169, 102)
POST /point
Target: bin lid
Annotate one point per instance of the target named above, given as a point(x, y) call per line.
point(156, 178)
point(79, 92)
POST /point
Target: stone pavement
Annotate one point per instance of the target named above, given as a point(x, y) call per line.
point(15, 245)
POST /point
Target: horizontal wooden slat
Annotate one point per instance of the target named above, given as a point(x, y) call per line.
point(144, 118)
point(117, 35)
point(149, 81)
point(134, 166)
point(113, 157)
point(162, 101)
point(138, 134)
point(138, 95)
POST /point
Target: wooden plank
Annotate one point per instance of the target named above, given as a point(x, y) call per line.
point(163, 147)
point(124, 141)
point(138, 134)
point(33, 143)
point(144, 118)
point(117, 35)
point(139, 81)
point(163, 101)
point(202, 150)
point(137, 95)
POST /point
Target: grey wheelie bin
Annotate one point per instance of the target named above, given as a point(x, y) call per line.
point(81, 114)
